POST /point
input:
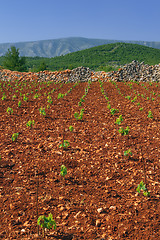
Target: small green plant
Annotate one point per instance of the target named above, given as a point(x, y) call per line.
point(4, 96)
point(9, 110)
point(109, 106)
point(13, 97)
point(128, 97)
point(36, 96)
point(30, 123)
point(14, 137)
point(19, 104)
point(79, 116)
point(46, 222)
point(142, 187)
point(141, 109)
point(71, 128)
point(113, 111)
point(134, 99)
point(63, 171)
point(60, 95)
point(127, 152)
point(42, 111)
point(119, 120)
point(52, 90)
point(49, 100)
point(150, 115)
point(25, 98)
point(123, 131)
point(65, 144)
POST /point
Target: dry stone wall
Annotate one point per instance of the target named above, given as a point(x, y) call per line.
point(137, 72)
point(134, 71)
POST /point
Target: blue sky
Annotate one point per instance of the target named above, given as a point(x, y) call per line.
point(31, 20)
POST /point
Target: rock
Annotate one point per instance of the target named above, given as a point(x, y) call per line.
point(98, 222)
point(133, 71)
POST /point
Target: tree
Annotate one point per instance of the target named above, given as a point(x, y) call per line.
point(13, 61)
point(42, 66)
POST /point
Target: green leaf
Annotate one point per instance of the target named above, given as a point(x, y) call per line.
point(63, 171)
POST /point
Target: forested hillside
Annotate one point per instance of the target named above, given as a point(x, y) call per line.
point(105, 57)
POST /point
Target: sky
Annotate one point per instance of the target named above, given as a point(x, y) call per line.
point(33, 20)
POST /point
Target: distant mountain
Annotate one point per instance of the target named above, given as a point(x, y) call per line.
point(63, 46)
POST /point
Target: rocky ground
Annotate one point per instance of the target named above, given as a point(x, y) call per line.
point(134, 71)
point(98, 197)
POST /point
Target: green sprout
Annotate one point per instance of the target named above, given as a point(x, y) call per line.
point(9, 110)
point(19, 104)
point(128, 97)
point(42, 111)
point(119, 120)
point(4, 96)
point(46, 222)
point(65, 144)
point(109, 106)
point(79, 116)
point(71, 128)
point(150, 115)
point(14, 137)
point(63, 171)
point(113, 111)
point(123, 131)
point(25, 98)
point(36, 96)
point(127, 152)
point(142, 187)
point(13, 97)
point(134, 99)
point(141, 109)
point(30, 123)
point(60, 95)
point(49, 100)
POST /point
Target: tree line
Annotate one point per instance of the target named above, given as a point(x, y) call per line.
point(108, 57)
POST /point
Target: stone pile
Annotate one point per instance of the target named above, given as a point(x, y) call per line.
point(80, 74)
point(133, 71)
point(137, 72)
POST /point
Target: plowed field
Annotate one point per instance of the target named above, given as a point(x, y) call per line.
point(97, 199)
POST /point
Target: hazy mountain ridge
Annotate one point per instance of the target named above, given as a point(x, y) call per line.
point(62, 46)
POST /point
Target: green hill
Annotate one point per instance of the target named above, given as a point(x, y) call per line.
point(105, 57)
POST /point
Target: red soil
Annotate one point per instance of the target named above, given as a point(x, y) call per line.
point(98, 198)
